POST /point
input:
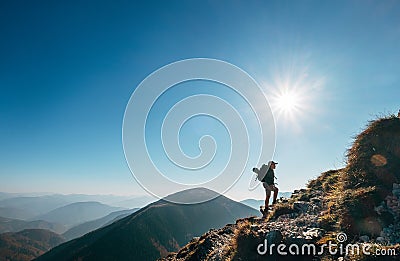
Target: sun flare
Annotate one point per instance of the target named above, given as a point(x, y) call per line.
point(287, 102)
point(289, 106)
point(293, 94)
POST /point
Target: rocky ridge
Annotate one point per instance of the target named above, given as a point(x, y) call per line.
point(299, 226)
point(302, 223)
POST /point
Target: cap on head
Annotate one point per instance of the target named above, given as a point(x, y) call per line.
point(272, 162)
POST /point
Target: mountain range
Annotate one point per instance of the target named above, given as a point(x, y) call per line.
point(81, 229)
point(154, 230)
point(15, 225)
point(30, 206)
point(77, 213)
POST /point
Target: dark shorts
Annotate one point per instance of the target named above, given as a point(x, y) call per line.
point(269, 188)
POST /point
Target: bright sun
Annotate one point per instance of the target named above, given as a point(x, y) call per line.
point(292, 95)
point(287, 102)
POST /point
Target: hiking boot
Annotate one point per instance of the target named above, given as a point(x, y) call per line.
point(264, 211)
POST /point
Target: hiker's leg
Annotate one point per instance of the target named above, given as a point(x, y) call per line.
point(267, 201)
point(276, 190)
point(267, 195)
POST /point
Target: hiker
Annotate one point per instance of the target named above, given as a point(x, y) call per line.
point(398, 114)
point(266, 175)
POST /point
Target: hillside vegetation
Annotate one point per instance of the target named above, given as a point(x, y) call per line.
point(357, 196)
point(27, 244)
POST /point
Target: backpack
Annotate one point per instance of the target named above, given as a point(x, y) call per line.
point(262, 172)
point(264, 175)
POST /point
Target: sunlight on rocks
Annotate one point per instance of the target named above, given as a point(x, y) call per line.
point(378, 160)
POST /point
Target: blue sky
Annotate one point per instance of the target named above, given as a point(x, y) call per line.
point(68, 69)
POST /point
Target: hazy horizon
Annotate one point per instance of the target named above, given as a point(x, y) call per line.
point(38, 193)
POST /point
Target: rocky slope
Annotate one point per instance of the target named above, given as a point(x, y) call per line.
point(359, 205)
point(292, 221)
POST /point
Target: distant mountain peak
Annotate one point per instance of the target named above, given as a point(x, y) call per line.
point(192, 196)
